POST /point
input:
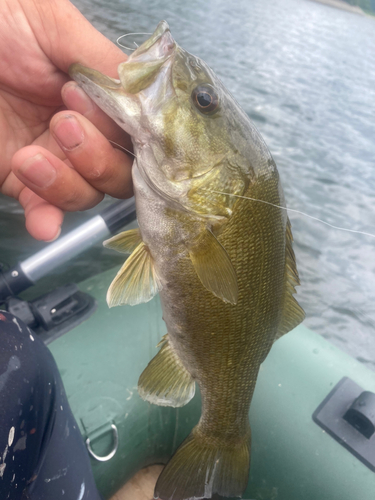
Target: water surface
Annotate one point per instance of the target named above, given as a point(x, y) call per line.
point(304, 73)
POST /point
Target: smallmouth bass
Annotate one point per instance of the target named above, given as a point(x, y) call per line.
point(223, 265)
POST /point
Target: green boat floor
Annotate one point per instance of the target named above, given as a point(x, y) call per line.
point(292, 458)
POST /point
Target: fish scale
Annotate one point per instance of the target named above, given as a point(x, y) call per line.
point(223, 264)
point(241, 326)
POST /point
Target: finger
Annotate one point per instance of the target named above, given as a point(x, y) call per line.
point(106, 169)
point(77, 100)
point(53, 180)
point(12, 186)
point(47, 141)
point(70, 37)
point(43, 220)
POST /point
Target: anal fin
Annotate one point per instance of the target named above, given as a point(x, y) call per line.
point(165, 381)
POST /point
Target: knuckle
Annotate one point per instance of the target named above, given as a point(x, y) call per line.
point(81, 200)
point(95, 174)
point(72, 199)
point(106, 170)
point(98, 173)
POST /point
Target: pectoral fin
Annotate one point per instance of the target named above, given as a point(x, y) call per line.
point(125, 242)
point(165, 381)
point(137, 280)
point(214, 268)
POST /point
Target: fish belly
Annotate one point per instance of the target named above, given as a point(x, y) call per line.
point(220, 345)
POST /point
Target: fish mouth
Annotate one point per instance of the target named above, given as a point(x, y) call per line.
point(144, 70)
point(81, 74)
point(138, 71)
point(160, 45)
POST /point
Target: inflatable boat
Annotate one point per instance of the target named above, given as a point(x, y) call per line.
point(312, 415)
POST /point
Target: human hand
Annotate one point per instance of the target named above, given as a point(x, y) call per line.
point(141, 486)
point(54, 160)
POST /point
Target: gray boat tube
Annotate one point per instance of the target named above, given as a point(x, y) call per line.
point(26, 273)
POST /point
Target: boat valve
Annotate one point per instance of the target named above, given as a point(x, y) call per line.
point(347, 414)
point(361, 414)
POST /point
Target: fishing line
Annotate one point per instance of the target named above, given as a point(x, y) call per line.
point(345, 229)
point(121, 147)
point(297, 212)
point(128, 34)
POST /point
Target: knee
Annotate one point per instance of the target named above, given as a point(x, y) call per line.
point(25, 362)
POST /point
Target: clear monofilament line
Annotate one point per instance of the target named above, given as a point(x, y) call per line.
point(297, 212)
point(128, 34)
point(121, 147)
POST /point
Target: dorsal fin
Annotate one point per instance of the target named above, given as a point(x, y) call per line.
point(125, 242)
point(136, 281)
point(292, 313)
point(214, 268)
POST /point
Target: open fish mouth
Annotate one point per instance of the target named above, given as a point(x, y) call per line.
point(145, 71)
point(138, 71)
point(160, 44)
point(224, 266)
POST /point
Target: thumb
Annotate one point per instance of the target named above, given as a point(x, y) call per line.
point(66, 37)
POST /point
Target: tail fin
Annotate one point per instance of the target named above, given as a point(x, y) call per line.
point(201, 467)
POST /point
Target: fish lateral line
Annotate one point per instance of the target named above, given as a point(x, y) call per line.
point(295, 211)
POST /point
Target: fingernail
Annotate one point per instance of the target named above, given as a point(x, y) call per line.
point(56, 236)
point(68, 132)
point(38, 170)
point(77, 99)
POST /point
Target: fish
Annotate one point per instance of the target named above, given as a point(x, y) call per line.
point(223, 264)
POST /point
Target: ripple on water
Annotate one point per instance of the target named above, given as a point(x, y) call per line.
point(304, 73)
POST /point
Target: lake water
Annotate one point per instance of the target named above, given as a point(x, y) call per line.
point(305, 74)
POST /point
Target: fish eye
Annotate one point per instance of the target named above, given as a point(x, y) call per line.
point(205, 99)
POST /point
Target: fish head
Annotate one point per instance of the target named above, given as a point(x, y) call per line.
point(195, 146)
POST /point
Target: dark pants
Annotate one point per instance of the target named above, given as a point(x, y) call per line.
point(42, 454)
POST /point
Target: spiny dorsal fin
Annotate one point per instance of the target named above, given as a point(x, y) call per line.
point(292, 314)
point(165, 381)
point(125, 242)
point(214, 268)
point(136, 282)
